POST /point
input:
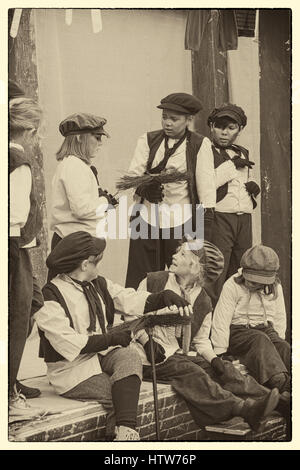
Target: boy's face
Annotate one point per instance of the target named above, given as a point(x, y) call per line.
point(224, 132)
point(91, 266)
point(183, 263)
point(174, 124)
point(253, 286)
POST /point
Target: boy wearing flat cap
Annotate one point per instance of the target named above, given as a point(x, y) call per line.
point(77, 202)
point(174, 147)
point(225, 183)
point(250, 320)
point(84, 359)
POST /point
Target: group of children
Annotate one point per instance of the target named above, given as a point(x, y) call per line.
point(85, 358)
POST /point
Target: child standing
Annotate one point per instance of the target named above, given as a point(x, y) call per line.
point(174, 147)
point(24, 224)
point(77, 201)
point(225, 183)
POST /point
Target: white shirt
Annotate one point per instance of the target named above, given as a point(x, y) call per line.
point(174, 193)
point(68, 341)
point(209, 179)
point(237, 306)
point(19, 193)
point(75, 202)
point(166, 336)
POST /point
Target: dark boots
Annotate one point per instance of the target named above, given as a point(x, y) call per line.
point(254, 410)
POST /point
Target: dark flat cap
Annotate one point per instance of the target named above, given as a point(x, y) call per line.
point(228, 110)
point(182, 103)
point(82, 123)
point(14, 90)
point(72, 249)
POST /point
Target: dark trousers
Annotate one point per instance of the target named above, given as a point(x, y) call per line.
point(262, 351)
point(196, 382)
point(148, 255)
point(51, 272)
point(232, 234)
point(20, 304)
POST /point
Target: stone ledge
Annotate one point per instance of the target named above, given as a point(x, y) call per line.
point(74, 420)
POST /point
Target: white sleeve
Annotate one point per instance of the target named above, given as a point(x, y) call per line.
point(19, 192)
point(141, 154)
point(51, 319)
point(205, 175)
point(222, 317)
point(84, 201)
point(127, 300)
point(279, 320)
point(225, 172)
point(202, 342)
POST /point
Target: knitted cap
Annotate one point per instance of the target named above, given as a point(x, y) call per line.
point(181, 102)
point(260, 264)
point(230, 110)
point(82, 123)
point(214, 259)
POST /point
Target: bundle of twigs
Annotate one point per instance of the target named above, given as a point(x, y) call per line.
point(165, 176)
point(150, 320)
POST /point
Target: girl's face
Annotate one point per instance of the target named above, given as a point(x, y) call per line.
point(224, 134)
point(94, 143)
point(184, 263)
point(174, 124)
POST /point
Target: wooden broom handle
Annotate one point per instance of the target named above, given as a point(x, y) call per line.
point(186, 338)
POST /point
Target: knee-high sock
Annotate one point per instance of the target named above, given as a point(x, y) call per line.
point(125, 396)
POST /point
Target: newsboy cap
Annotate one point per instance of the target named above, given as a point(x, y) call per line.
point(82, 123)
point(72, 250)
point(214, 259)
point(228, 110)
point(260, 264)
point(182, 103)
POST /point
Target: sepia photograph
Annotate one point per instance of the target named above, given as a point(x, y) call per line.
point(149, 225)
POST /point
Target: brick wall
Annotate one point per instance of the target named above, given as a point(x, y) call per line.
point(176, 424)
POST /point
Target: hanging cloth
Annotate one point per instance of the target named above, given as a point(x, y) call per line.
point(228, 31)
point(195, 26)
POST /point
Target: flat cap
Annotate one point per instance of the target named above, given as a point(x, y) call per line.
point(82, 123)
point(182, 103)
point(72, 249)
point(260, 264)
point(228, 110)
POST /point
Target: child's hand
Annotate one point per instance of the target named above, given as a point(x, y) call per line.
point(241, 162)
point(152, 192)
point(252, 188)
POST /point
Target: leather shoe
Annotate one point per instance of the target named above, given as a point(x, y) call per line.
point(254, 411)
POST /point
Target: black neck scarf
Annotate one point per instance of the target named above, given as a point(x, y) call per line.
point(94, 303)
point(223, 151)
point(168, 153)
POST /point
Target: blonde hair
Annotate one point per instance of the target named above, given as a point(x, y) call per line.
point(24, 114)
point(75, 145)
